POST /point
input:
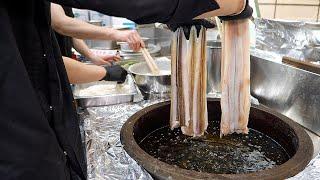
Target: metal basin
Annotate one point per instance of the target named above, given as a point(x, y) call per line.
point(152, 84)
point(284, 131)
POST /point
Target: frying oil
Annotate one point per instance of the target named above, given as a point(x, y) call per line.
point(231, 154)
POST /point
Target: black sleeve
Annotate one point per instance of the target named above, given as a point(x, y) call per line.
point(68, 11)
point(146, 11)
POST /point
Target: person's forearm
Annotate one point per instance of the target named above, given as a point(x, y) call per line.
point(82, 73)
point(227, 7)
point(76, 28)
point(72, 27)
point(82, 30)
point(82, 48)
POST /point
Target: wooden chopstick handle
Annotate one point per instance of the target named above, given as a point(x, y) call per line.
point(154, 68)
point(149, 62)
point(151, 59)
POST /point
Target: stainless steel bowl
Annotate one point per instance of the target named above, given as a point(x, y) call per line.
point(124, 46)
point(152, 84)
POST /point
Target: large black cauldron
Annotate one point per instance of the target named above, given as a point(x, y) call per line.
point(290, 135)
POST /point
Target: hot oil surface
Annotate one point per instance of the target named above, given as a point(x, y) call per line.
point(232, 154)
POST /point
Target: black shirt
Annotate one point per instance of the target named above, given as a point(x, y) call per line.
point(65, 42)
point(39, 130)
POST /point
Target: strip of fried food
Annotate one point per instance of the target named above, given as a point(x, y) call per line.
point(235, 77)
point(189, 77)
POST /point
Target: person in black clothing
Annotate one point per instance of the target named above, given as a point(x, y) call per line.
point(73, 31)
point(62, 21)
point(39, 130)
point(67, 42)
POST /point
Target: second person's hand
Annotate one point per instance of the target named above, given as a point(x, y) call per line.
point(132, 37)
point(115, 73)
point(105, 59)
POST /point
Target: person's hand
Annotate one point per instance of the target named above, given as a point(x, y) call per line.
point(198, 23)
point(246, 13)
point(115, 73)
point(132, 37)
point(104, 59)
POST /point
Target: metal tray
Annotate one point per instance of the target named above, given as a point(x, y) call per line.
point(107, 99)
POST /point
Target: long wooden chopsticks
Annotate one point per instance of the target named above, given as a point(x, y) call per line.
point(150, 61)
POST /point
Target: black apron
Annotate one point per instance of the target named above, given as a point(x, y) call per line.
point(65, 42)
point(39, 130)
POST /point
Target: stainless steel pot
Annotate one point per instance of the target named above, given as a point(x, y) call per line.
point(152, 84)
point(214, 66)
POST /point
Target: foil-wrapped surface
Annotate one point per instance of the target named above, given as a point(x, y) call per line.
point(300, 40)
point(312, 171)
point(106, 158)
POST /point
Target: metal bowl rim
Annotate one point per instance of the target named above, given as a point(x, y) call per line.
point(147, 75)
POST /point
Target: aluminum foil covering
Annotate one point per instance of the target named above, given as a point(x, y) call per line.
point(106, 157)
point(300, 40)
point(312, 171)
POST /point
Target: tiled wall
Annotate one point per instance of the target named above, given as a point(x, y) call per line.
point(306, 10)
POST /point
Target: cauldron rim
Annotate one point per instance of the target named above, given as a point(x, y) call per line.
point(290, 168)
